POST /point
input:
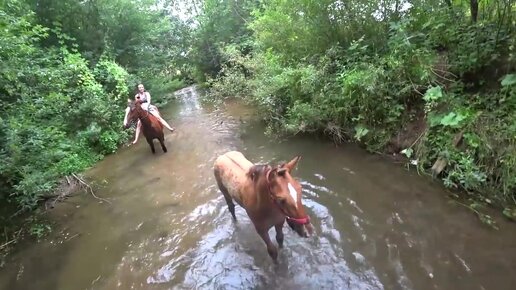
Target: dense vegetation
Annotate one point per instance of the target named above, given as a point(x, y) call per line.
point(67, 70)
point(431, 80)
point(434, 81)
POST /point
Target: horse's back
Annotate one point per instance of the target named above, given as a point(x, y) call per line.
point(231, 170)
point(233, 161)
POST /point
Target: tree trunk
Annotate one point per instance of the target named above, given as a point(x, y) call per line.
point(473, 4)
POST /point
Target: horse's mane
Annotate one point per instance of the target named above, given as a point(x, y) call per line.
point(258, 170)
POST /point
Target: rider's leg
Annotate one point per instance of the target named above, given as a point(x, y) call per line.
point(126, 114)
point(164, 123)
point(137, 134)
point(156, 113)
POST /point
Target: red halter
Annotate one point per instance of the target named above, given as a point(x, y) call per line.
point(300, 221)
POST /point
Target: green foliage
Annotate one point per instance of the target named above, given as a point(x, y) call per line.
point(484, 161)
point(113, 78)
point(59, 115)
point(509, 81)
point(37, 228)
point(66, 70)
point(220, 23)
point(163, 88)
point(364, 70)
point(64, 81)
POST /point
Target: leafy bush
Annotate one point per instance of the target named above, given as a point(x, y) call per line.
point(366, 70)
point(484, 161)
point(59, 116)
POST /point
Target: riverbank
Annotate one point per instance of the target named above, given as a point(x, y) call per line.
point(447, 126)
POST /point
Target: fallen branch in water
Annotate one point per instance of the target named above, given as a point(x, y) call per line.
point(96, 280)
point(76, 235)
point(89, 188)
point(66, 187)
point(15, 239)
point(7, 244)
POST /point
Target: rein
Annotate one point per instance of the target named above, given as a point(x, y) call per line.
point(300, 221)
point(146, 116)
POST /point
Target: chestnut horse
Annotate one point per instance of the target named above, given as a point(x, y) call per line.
point(151, 126)
point(269, 195)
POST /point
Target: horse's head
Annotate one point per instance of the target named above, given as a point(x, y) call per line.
point(132, 112)
point(285, 192)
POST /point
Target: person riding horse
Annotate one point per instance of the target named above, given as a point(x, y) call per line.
point(145, 98)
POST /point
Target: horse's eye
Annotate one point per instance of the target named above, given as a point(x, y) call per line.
point(282, 201)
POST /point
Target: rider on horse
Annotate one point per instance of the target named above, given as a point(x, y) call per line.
point(145, 98)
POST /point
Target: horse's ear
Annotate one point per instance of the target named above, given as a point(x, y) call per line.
point(291, 165)
point(256, 170)
point(271, 173)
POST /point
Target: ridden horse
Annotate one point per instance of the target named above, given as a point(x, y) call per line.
point(270, 195)
point(151, 126)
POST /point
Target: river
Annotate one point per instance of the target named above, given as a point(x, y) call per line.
point(378, 225)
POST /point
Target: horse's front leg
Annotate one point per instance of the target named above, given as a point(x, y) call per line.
point(279, 234)
point(271, 248)
point(151, 144)
point(161, 140)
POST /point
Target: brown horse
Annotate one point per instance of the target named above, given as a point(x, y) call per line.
point(268, 194)
point(151, 126)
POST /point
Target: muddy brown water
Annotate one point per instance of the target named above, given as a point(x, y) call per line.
point(378, 226)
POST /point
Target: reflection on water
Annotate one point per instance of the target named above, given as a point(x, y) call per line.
point(377, 225)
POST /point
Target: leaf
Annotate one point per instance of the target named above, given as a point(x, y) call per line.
point(433, 94)
point(472, 140)
point(361, 131)
point(407, 152)
point(452, 119)
point(509, 80)
point(435, 119)
point(510, 213)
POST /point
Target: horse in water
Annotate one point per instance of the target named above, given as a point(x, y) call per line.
point(270, 195)
point(151, 126)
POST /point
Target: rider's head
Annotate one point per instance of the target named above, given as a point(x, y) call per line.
point(141, 88)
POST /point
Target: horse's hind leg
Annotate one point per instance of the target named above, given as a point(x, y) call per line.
point(162, 142)
point(151, 144)
point(224, 190)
